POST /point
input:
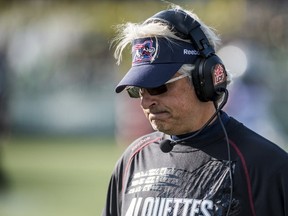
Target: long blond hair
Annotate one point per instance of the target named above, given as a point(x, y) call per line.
point(128, 32)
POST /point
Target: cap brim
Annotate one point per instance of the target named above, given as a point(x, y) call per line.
point(148, 75)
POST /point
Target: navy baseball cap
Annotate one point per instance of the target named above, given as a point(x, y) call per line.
point(155, 61)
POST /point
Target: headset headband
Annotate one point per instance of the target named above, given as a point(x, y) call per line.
point(185, 24)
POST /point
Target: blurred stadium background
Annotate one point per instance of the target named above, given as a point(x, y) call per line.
point(63, 128)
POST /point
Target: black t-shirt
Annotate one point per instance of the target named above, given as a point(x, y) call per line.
point(195, 178)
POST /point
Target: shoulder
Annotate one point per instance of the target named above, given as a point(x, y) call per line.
point(144, 141)
point(138, 145)
point(255, 147)
point(246, 137)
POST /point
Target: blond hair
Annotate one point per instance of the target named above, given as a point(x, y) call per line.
point(128, 32)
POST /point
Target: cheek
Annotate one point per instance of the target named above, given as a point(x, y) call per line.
point(185, 103)
point(181, 107)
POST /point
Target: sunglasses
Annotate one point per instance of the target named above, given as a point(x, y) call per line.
point(135, 92)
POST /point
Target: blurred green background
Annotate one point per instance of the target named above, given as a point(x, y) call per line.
point(56, 176)
point(63, 128)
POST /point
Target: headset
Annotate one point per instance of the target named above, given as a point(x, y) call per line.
point(209, 76)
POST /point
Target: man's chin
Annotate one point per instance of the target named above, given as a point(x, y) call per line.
point(157, 127)
point(160, 127)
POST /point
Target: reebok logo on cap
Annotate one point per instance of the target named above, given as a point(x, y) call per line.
point(191, 52)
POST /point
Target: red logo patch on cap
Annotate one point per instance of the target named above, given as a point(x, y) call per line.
point(143, 52)
point(219, 74)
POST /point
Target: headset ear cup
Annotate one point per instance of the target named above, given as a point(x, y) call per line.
point(209, 78)
point(209, 75)
point(197, 80)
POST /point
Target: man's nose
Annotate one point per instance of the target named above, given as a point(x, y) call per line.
point(147, 100)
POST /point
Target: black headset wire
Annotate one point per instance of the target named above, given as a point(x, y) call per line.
point(217, 113)
point(228, 147)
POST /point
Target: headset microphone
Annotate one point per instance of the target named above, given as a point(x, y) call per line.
point(167, 145)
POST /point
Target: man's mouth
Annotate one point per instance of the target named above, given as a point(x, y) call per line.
point(158, 115)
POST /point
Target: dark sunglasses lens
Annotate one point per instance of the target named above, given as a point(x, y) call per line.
point(133, 92)
point(158, 90)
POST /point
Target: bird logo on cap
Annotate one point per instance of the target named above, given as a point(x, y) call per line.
point(143, 52)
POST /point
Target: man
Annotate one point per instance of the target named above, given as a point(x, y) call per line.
point(199, 161)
